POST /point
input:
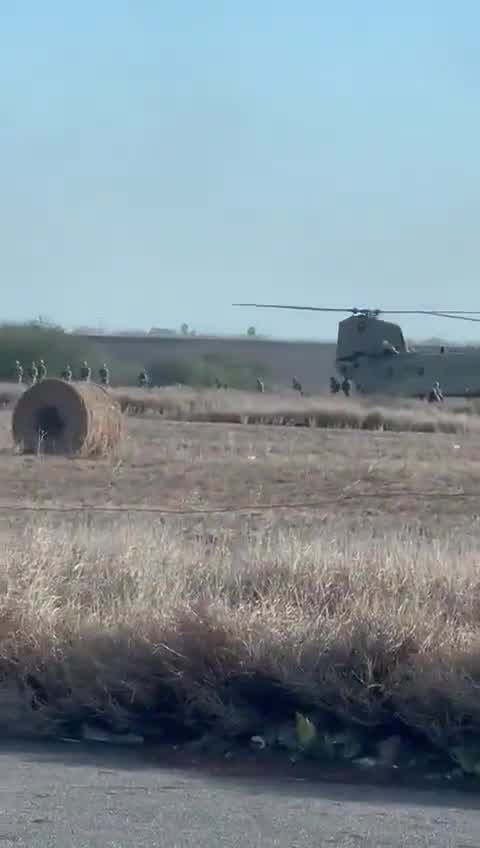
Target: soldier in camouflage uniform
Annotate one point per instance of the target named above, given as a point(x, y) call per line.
point(435, 394)
point(33, 373)
point(104, 375)
point(334, 386)
point(42, 370)
point(297, 386)
point(18, 372)
point(67, 374)
point(85, 371)
point(260, 385)
point(346, 386)
point(143, 379)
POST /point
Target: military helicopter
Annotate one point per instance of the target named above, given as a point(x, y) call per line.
point(373, 354)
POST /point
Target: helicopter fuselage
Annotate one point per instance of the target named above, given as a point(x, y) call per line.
point(374, 355)
point(412, 373)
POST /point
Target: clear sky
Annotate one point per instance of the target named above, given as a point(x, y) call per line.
point(160, 160)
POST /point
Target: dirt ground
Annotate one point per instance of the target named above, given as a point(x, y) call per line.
point(263, 474)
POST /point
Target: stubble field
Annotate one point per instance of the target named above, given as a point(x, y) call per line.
point(316, 587)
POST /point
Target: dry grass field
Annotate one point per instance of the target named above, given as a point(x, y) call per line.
point(214, 580)
point(181, 403)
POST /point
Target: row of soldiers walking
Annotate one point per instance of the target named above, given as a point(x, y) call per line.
point(37, 372)
point(335, 386)
point(296, 385)
point(435, 395)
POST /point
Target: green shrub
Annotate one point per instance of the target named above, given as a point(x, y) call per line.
point(205, 371)
point(169, 372)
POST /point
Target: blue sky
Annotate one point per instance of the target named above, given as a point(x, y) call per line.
point(161, 160)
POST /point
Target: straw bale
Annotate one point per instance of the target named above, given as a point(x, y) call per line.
point(67, 418)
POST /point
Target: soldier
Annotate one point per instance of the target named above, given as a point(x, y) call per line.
point(33, 373)
point(18, 372)
point(346, 386)
point(297, 386)
point(334, 386)
point(143, 379)
point(435, 394)
point(260, 385)
point(218, 383)
point(67, 374)
point(42, 371)
point(388, 348)
point(104, 375)
point(85, 371)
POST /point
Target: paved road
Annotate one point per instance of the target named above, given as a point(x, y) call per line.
point(94, 798)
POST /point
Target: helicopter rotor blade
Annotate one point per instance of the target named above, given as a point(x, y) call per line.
point(287, 306)
point(446, 312)
point(458, 314)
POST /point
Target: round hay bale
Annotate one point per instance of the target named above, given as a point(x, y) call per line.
point(57, 417)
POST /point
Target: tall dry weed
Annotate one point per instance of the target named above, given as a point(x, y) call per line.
point(237, 407)
point(151, 630)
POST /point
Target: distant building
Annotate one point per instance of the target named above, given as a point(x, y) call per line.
point(161, 331)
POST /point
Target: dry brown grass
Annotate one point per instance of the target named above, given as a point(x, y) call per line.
point(149, 629)
point(234, 407)
point(289, 409)
point(361, 609)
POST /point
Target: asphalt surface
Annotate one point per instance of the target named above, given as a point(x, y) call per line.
point(87, 797)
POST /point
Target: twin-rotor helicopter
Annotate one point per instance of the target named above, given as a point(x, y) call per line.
point(373, 354)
